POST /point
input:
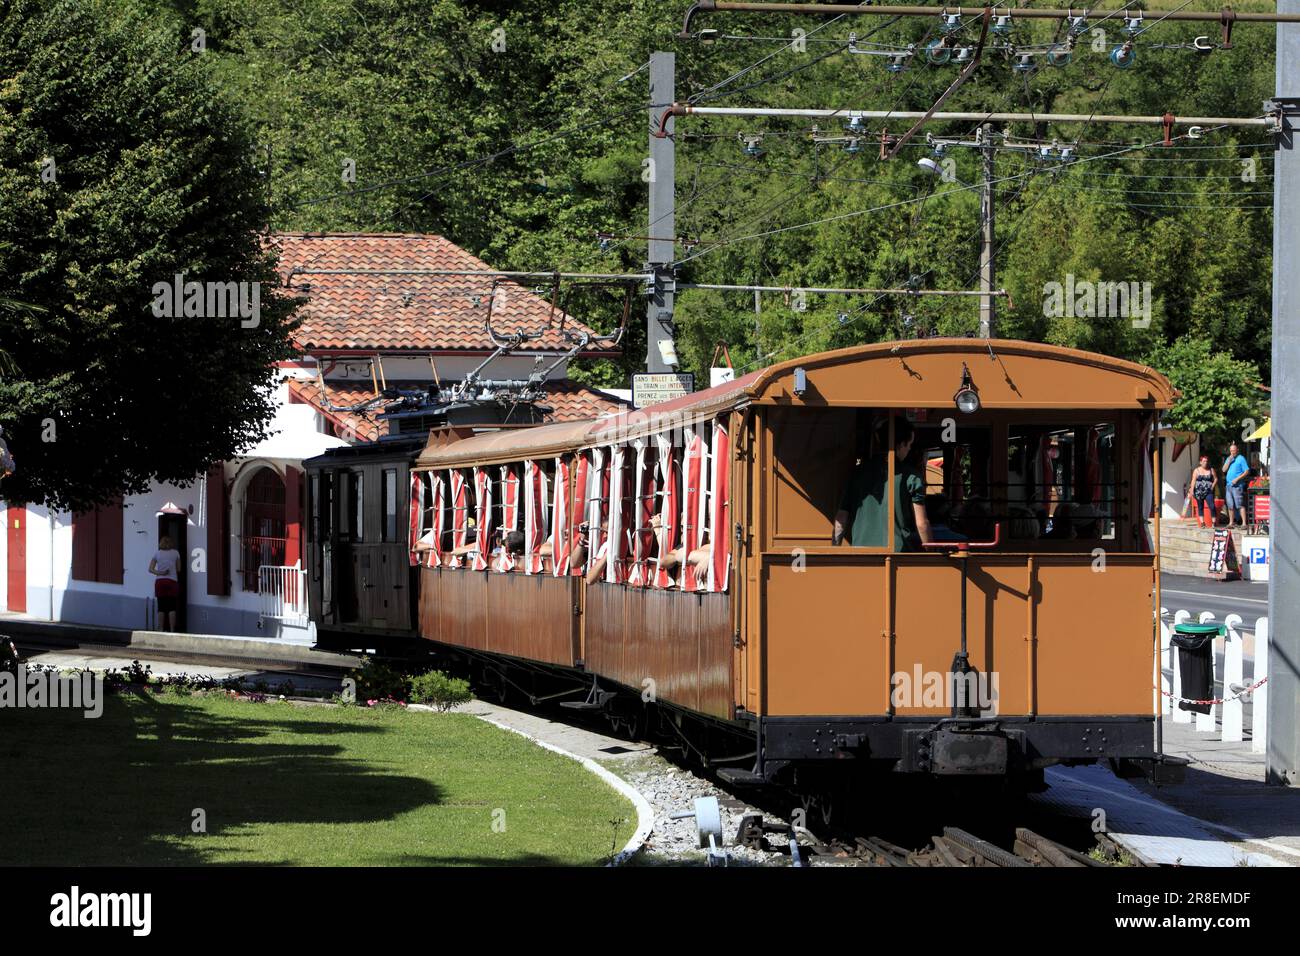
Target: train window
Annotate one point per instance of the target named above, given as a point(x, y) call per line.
point(345, 513)
point(315, 505)
point(1062, 482)
point(668, 509)
point(828, 460)
point(596, 503)
point(533, 516)
point(643, 514)
point(953, 463)
point(460, 490)
point(325, 504)
point(389, 504)
point(354, 507)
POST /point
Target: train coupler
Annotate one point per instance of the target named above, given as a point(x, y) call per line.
point(1160, 770)
point(962, 747)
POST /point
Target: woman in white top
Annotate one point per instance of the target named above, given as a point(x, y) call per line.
point(165, 566)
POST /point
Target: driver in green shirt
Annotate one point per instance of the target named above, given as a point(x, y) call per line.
point(862, 512)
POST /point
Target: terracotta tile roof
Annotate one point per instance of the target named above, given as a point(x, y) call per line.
point(406, 312)
point(570, 401)
point(362, 425)
point(573, 402)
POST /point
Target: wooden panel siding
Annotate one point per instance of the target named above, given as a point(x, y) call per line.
point(680, 641)
point(522, 615)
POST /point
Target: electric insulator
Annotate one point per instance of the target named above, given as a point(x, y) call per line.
point(938, 51)
point(1060, 55)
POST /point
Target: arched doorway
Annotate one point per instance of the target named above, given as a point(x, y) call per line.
point(263, 533)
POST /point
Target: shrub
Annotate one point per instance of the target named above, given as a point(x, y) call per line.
point(438, 690)
point(379, 681)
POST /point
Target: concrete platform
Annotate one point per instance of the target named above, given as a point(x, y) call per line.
point(31, 634)
point(1150, 829)
point(1225, 789)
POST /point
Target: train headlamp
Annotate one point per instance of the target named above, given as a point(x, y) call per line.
point(967, 398)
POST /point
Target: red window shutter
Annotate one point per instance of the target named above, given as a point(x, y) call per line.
point(292, 515)
point(109, 542)
point(218, 512)
point(84, 524)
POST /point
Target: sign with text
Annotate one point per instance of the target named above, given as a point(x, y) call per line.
point(1223, 556)
point(653, 388)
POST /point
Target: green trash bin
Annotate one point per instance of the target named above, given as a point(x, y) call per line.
point(1195, 643)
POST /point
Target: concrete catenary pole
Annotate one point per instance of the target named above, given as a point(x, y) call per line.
point(988, 302)
point(1282, 761)
point(662, 175)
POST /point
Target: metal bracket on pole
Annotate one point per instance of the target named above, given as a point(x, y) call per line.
point(1280, 109)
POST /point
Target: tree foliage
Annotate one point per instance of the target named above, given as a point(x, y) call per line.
point(122, 164)
point(1220, 394)
point(419, 94)
point(518, 130)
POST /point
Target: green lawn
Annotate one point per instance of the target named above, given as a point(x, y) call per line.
point(292, 785)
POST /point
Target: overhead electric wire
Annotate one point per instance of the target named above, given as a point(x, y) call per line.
point(1021, 218)
point(753, 66)
point(797, 193)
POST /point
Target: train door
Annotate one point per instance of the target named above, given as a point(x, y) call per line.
point(324, 533)
point(17, 557)
point(348, 568)
point(392, 598)
point(372, 525)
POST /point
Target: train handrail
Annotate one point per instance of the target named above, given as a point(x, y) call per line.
point(963, 545)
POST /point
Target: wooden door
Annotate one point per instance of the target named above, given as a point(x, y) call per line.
point(17, 557)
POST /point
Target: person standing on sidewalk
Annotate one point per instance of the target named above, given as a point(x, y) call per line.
point(1237, 471)
point(1204, 484)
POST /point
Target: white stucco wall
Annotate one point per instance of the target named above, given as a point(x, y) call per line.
point(52, 594)
point(1176, 476)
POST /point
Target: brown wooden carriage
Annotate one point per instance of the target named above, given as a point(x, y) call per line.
point(724, 604)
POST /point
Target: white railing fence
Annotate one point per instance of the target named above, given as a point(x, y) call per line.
point(283, 593)
point(1227, 716)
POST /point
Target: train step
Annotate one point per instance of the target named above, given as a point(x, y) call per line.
point(740, 778)
point(595, 701)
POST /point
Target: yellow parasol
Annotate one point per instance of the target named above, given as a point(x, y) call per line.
point(1263, 431)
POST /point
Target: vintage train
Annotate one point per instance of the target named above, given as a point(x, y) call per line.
point(988, 611)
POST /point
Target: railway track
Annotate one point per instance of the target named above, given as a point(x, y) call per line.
point(953, 847)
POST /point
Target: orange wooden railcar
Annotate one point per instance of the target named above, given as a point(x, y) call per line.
point(805, 654)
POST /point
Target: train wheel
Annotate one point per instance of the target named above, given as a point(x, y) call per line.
point(494, 686)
